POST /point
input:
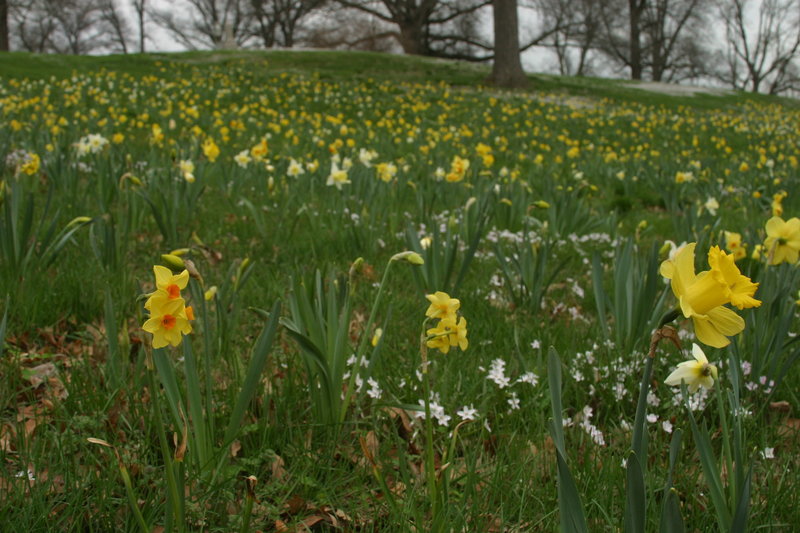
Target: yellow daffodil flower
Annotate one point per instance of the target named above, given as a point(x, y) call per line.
point(702, 296)
point(168, 321)
point(442, 305)
point(783, 240)
point(171, 283)
point(696, 374)
point(448, 333)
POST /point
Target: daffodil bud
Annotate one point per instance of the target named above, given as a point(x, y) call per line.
point(174, 262)
point(356, 266)
point(470, 203)
point(179, 251)
point(411, 257)
point(210, 293)
point(78, 220)
point(541, 204)
point(376, 338)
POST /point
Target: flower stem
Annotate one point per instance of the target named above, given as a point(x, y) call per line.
point(172, 486)
point(430, 464)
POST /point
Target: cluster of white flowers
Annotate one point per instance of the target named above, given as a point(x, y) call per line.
point(497, 374)
point(437, 411)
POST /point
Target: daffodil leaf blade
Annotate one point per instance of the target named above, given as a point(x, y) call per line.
point(573, 519)
point(635, 495)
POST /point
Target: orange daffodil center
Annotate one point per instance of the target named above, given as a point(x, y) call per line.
point(169, 315)
point(702, 296)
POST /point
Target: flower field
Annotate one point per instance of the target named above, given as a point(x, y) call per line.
point(335, 291)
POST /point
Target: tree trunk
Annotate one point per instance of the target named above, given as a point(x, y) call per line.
point(507, 68)
point(635, 8)
point(140, 14)
point(3, 25)
point(412, 38)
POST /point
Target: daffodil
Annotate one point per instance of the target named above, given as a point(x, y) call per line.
point(168, 321)
point(337, 177)
point(441, 305)
point(210, 149)
point(702, 296)
point(171, 283)
point(448, 333)
point(696, 374)
point(783, 240)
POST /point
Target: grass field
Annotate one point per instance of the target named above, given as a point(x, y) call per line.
point(302, 386)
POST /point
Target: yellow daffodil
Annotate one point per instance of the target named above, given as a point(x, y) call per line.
point(168, 321)
point(696, 374)
point(448, 333)
point(783, 240)
point(702, 296)
point(171, 283)
point(30, 164)
point(441, 305)
point(210, 149)
point(458, 169)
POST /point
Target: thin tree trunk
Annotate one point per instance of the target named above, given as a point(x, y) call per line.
point(507, 68)
point(3, 25)
point(635, 18)
point(141, 26)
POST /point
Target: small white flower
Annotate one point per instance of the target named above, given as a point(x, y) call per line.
point(467, 413)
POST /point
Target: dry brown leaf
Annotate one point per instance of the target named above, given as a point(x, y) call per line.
point(309, 522)
point(7, 435)
point(236, 447)
point(294, 505)
point(40, 373)
point(278, 470)
point(782, 406)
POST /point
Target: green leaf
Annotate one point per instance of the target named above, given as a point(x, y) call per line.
point(554, 379)
point(739, 524)
point(570, 507)
point(635, 496)
point(258, 360)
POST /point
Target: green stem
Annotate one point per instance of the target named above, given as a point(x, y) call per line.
point(364, 340)
point(165, 451)
point(726, 448)
point(137, 513)
point(430, 464)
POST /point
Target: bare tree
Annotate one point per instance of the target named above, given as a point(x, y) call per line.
point(507, 67)
point(338, 28)
point(116, 24)
point(207, 23)
point(577, 25)
point(762, 44)
point(660, 39)
point(61, 26)
point(427, 27)
point(278, 20)
point(140, 9)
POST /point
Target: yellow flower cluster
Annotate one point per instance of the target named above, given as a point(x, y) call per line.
point(451, 330)
point(458, 169)
point(169, 315)
point(702, 296)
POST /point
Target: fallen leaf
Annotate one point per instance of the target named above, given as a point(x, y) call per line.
point(40, 373)
point(236, 447)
